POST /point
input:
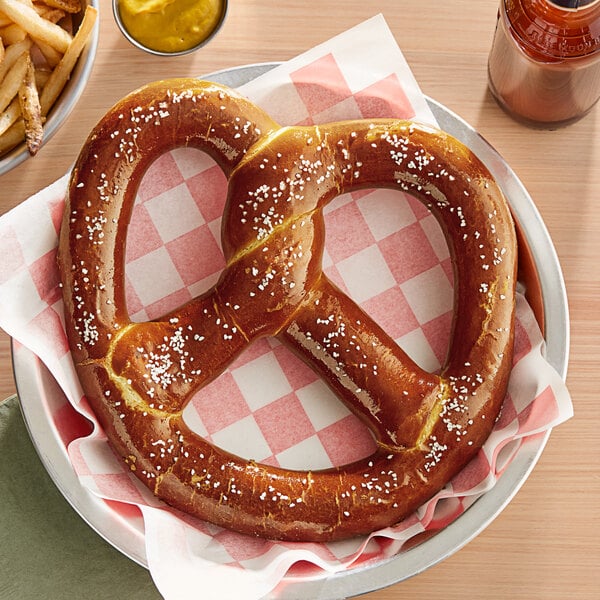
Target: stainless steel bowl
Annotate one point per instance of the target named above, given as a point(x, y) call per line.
point(138, 44)
point(65, 103)
point(38, 391)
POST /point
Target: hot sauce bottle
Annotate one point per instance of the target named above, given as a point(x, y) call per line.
point(544, 65)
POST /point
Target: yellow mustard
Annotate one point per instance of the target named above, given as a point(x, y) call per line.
point(170, 25)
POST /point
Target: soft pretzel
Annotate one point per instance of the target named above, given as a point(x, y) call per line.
point(138, 376)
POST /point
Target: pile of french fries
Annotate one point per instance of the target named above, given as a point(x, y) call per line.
point(38, 51)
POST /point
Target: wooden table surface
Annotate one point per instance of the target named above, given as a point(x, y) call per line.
point(545, 543)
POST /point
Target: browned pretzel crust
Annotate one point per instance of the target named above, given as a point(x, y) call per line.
point(139, 376)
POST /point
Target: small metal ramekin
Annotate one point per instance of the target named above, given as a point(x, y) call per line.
point(138, 44)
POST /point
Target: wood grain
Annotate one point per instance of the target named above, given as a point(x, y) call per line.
point(544, 546)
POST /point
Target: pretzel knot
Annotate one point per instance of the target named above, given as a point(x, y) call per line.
point(138, 377)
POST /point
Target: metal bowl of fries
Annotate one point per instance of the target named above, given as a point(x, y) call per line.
point(47, 49)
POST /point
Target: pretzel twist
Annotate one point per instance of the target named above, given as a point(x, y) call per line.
point(139, 376)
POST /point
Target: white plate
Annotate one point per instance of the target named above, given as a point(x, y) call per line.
point(38, 393)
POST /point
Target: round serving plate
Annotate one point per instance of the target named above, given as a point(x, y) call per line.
point(541, 274)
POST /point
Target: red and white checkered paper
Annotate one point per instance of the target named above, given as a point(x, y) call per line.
point(383, 248)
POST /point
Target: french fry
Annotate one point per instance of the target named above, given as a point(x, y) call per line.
point(12, 137)
point(10, 115)
point(54, 15)
point(12, 81)
point(41, 77)
point(30, 109)
point(11, 34)
point(70, 6)
point(11, 53)
point(51, 56)
point(62, 72)
point(4, 20)
point(1, 51)
point(35, 25)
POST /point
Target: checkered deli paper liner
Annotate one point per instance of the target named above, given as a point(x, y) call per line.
point(383, 248)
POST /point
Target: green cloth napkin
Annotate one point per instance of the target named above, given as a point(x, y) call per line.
point(46, 550)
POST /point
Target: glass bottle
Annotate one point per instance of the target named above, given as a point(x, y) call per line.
point(544, 65)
